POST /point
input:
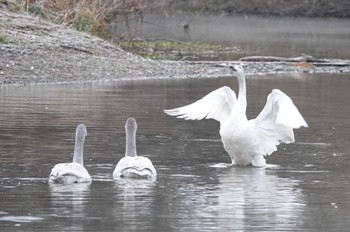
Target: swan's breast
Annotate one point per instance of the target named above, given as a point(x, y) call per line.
point(240, 141)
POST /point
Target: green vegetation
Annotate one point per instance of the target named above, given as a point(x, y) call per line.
point(176, 50)
point(4, 39)
point(37, 10)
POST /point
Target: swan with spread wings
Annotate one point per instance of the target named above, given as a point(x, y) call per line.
point(246, 141)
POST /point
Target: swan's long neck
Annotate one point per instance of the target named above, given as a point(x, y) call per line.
point(79, 149)
point(242, 95)
point(238, 113)
point(130, 149)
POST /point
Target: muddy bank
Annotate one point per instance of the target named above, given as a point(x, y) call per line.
point(36, 51)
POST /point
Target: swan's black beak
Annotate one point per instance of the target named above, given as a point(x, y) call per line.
point(233, 68)
point(225, 65)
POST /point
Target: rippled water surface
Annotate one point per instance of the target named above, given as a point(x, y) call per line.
point(305, 186)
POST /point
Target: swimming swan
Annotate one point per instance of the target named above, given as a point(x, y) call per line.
point(133, 166)
point(70, 173)
point(246, 141)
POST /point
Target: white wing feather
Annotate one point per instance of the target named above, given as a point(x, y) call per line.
point(216, 105)
point(276, 122)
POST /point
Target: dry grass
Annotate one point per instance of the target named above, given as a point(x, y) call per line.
point(85, 15)
point(89, 15)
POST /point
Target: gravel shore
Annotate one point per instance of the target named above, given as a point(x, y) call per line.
point(38, 51)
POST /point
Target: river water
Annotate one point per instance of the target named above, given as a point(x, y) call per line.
point(305, 186)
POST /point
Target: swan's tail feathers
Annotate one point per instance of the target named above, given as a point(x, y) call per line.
point(69, 173)
point(134, 167)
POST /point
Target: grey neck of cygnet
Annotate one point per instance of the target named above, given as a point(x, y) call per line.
point(79, 148)
point(130, 149)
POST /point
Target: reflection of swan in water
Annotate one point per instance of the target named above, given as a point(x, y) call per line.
point(133, 166)
point(68, 203)
point(69, 173)
point(135, 199)
point(246, 141)
point(248, 197)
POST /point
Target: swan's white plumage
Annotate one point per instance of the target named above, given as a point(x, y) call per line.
point(216, 105)
point(75, 172)
point(246, 141)
point(276, 122)
point(69, 173)
point(279, 109)
point(133, 166)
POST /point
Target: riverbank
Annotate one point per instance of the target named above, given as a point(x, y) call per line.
point(37, 51)
point(34, 50)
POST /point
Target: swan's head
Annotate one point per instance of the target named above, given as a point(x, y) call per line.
point(238, 71)
point(130, 124)
point(81, 131)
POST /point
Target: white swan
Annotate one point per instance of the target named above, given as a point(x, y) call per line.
point(70, 173)
point(133, 166)
point(246, 141)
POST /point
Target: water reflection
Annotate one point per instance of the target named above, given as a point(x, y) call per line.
point(250, 198)
point(136, 199)
point(20, 219)
point(68, 202)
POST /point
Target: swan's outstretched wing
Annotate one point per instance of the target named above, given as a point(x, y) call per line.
point(276, 122)
point(217, 105)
